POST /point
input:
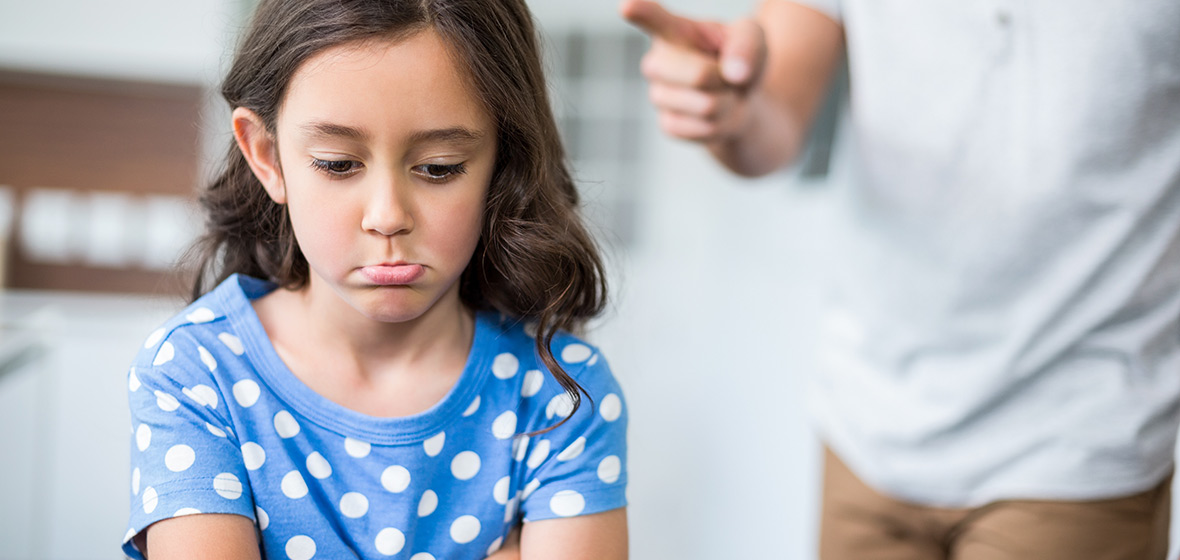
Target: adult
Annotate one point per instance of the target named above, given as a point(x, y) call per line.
point(1000, 358)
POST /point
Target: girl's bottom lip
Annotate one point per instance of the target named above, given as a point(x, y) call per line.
point(393, 275)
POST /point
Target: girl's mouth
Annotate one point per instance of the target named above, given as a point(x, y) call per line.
point(397, 274)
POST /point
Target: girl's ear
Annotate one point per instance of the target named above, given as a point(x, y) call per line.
point(261, 152)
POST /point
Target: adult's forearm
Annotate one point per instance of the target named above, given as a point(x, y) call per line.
point(770, 139)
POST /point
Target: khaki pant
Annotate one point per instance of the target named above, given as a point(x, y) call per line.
point(860, 524)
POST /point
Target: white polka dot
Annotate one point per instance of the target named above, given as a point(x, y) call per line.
point(609, 469)
point(504, 426)
point(530, 329)
point(520, 446)
point(611, 407)
point(203, 395)
point(471, 408)
point(202, 315)
point(179, 458)
point(166, 402)
point(354, 505)
point(232, 342)
point(395, 478)
point(422, 556)
point(131, 533)
point(428, 503)
point(573, 450)
point(575, 353)
point(164, 354)
point(285, 424)
point(510, 509)
point(495, 546)
point(154, 338)
point(253, 455)
point(540, 452)
point(561, 406)
point(227, 486)
point(465, 529)
point(143, 437)
point(533, 379)
point(567, 503)
point(530, 488)
point(505, 366)
point(390, 541)
point(135, 481)
point(356, 448)
point(246, 392)
point(300, 547)
point(434, 445)
point(465, 465)
point(293, 485)
point(214, 430)
point(207, 358)
point(318, 466)
point(593, 360)
point(500, 490)
point(186, 511)
point(262, 517)
point(133, 381)
point(150, 499)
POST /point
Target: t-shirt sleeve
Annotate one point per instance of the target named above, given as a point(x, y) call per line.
point(580, 467)
point(185, 458)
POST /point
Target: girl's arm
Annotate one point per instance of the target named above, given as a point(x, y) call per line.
point(600, 536)
point(208, 535)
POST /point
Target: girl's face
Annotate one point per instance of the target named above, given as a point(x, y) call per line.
point(386, 156)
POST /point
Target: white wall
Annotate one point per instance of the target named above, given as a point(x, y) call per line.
point(138, 39)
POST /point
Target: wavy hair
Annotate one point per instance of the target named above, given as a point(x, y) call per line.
point(534, 261)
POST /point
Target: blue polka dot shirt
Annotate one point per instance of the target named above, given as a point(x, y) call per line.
point(220, 425)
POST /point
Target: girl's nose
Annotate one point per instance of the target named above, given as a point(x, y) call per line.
point(388, 211)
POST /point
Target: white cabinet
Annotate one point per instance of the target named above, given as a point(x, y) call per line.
point(64, 426)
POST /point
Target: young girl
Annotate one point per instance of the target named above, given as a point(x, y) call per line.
point(382, 370)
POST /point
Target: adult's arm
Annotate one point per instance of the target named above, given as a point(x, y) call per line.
point(748, 90)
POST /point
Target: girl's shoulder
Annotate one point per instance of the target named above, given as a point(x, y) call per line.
point(514, 349)
point(519, 375)
point(202, 334)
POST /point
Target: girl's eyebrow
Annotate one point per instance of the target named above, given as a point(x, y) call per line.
point(455, 134)
point(324, 130)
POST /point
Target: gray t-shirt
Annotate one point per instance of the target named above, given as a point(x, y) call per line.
point(1006, 304)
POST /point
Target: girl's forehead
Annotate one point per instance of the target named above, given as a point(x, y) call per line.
point(395, 78)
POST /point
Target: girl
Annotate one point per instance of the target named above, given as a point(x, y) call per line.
point(361, 382)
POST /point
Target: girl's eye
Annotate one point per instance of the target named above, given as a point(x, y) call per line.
point(438, 172)
point(342, 167)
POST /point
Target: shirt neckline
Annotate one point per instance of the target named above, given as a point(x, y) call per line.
point(304, 401)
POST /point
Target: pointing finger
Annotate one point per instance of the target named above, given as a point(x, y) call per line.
point(658, 22)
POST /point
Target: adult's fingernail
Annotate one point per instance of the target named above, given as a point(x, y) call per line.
point(735, 70)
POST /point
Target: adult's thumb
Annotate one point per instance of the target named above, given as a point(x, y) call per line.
point(743, 52)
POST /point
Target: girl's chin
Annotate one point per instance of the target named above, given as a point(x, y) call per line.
point(400, 311)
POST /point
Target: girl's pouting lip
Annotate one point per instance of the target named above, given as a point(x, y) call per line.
point(395, 274)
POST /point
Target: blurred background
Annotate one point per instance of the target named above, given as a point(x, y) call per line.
point(109, 119)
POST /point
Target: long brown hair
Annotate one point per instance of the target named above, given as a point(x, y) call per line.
point(534, 261)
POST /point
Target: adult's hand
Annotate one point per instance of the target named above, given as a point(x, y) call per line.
point(700, 73)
